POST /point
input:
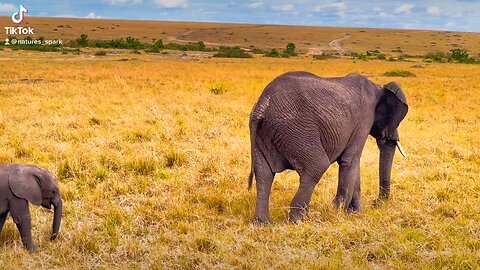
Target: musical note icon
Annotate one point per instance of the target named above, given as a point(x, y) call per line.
point(17, 17)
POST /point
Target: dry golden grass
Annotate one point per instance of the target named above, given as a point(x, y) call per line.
point(153, 168)
point(259, 36)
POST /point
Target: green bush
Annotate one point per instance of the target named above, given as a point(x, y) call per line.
point(435, 57)
point(290, 49)
point(360, 56)
point(461, 56)
point(273, 53)
point(381, 56)
point(232, 52)
point(82, 41)
point(158, 44)
point(128, 43)
point(399, 73)
point(218, 89)
point(198, 46)
point(257, 51)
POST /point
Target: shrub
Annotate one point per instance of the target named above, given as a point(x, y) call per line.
point(273, 53)
point(290, 49)
point(198, 46)
point(360, 56)
point(320, 57)
point(399, 73)
point(461, 56)
point(100, 53)
point(142, 166)
point(152, 50)
point(174, 159)
point(82, 41)
point(381, 56)
point(257, 51)
point(232, 52)
point(158, 44)
point(218, 89)
point(435, 57)
point(128, 43)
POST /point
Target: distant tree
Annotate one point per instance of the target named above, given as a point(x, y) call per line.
point(201, 46)
point(82, 41)
point(158, 44)
point(459, 55)
point(290, 49)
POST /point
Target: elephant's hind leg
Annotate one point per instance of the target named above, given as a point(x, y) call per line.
point(264, 179)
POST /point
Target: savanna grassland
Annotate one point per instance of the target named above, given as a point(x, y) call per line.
point(306, 38)
point(153, 167)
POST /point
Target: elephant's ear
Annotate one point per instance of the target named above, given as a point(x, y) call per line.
point(397, 104)
point(25, 184)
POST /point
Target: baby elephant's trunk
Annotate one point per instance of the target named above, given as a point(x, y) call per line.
point(57, 215)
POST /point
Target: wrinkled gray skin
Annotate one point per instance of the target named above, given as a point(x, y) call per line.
point(20, 184)
point(305, 123)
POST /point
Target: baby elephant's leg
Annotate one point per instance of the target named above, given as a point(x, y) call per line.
point(3, 217)
point(21, 217)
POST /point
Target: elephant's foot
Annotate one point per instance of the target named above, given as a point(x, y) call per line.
point(339, 202)
point(353, 208)
point(261, 220)
point(32, 248)
point(297, 214)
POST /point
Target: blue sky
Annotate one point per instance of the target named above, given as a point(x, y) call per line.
point(454, 15)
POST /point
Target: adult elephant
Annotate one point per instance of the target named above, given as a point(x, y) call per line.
point(306, 123)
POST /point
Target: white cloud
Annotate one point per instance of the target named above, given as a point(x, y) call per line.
point(122, 2)
point(254, 5)
point(337, 6)
point(91, 15)
point(450, 24)
point(7, 8)
point(171, 3)
point(404, 8)
point(284, 8)
point(384, 15)
point(433, 10)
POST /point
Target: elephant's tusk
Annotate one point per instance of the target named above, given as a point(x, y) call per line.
point(400, 148)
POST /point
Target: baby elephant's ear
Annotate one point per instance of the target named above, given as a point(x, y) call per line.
point(24, 184)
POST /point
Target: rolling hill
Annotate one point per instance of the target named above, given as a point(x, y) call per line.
point(306, 38)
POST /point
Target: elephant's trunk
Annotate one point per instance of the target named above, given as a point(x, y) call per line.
point(57, 215)
point(387, 152)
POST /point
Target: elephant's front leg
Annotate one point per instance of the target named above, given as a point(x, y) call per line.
point(348, 191)
point(21, 217)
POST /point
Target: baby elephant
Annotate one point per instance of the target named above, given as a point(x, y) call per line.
point(20, 184)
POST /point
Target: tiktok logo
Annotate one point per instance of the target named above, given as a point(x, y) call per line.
point(18, 16)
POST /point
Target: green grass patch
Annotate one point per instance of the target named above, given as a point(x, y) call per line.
point(399, 73)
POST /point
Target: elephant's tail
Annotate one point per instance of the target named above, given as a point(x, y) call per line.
point(253, 131)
